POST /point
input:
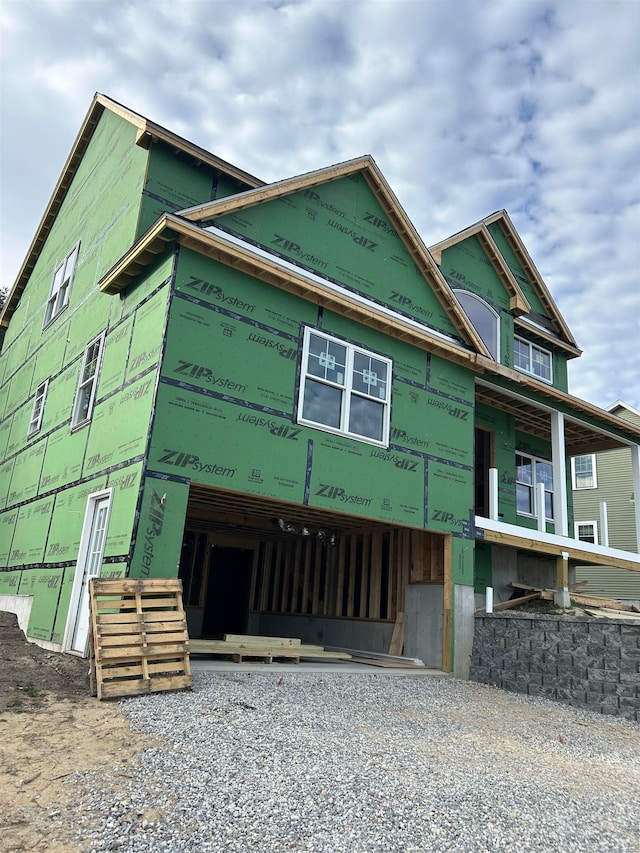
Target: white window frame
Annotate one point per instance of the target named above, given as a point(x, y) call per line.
point(37, 411)
point(533, 349)
point(535, 461)
point(574, 475)
point(345, 385)
point(594, 526)
point(61, 285)
point(471, 299)
point(87, 384)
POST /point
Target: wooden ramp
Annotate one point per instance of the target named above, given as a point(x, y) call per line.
point(240, 647)
point(139, 638)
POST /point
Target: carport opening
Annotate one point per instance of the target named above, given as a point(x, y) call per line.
point(344, 586)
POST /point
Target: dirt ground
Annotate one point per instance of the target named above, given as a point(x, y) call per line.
point(51, 728)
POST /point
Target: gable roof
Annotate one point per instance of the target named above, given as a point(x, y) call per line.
point(518, 303)
point(171, 229)
point(147, 133)
point(501, 217)
point(367, 167)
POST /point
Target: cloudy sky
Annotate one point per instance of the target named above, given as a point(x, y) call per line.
point(467, 106)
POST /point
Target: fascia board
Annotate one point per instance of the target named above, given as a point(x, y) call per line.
point(502, 217)
point(518, 303)
point(227, 249)
point(268, 192)
point(570, 350)
point(389, 202)
point(51, 211)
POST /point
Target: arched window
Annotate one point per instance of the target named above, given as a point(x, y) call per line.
point(483, 318)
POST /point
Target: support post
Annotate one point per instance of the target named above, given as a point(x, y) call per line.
point(493, 494)
point(561, 597)
point(559, 461)
point(604, 524)
point(540, 507)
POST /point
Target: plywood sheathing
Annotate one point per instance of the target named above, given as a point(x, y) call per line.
point(501, 217)
point(147, 131)
point(271, 271)
point(518, 303)
point(386, 198)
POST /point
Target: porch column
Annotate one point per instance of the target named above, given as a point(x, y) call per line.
point(559, 462)
point(635, 470)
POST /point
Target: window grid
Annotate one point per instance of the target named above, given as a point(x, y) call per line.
point(61, 285)
point(85, 395)
point(529, 472)
point(344, 389)
point(583, 470)
point(586, 531)
point(532, 359)
point(37, 412)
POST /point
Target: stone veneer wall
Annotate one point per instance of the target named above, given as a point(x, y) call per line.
point(588, 662)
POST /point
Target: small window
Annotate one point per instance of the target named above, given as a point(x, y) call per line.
point(532, 359)
point(587, 531)
point(529, 472)
point(61, 285)
point(85, 395)
point(583, 472)
point(484, 320)
point(344, 389)
point(38, 408)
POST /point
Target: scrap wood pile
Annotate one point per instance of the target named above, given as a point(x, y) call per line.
point(582, 605)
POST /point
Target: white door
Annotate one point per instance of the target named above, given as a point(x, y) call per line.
point(88, 566)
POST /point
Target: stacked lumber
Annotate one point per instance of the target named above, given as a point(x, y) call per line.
point(241, 647)
point(139, 638)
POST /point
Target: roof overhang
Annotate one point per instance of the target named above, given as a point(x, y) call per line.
point(366, 165)
point(533, 417)
point(171, 229)
point(146, 133)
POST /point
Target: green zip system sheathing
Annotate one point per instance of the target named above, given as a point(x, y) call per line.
point(340, 231)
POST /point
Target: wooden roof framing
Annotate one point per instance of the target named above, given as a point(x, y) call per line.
point(389, 203)
point(501, 217)
point(171, 228)
point(147, 132)
point(518, 303)
point(530, 417)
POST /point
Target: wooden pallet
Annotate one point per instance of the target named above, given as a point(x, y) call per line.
point(139, 638)
point(240, 647)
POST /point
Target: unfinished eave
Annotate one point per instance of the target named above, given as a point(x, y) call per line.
point(386, 198)
point(524, 258)
point(533, 419)
point(169, 229)
point(147, 132)
point(518, 303)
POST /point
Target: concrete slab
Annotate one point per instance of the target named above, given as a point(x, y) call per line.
point(201, 664)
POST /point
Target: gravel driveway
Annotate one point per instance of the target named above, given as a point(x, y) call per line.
point(365, 763)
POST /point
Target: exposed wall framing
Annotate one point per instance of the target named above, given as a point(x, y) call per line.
point(362, 576)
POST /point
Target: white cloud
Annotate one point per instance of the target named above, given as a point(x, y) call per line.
point(467, 106)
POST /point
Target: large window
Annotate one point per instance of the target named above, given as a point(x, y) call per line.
point(35, 422)
point(344, 389)
point(583, 472)
point(483, 318)
point(529, 472)
point(587, 531)
point(532, 359)
point(86, 393)
point(61, 285)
